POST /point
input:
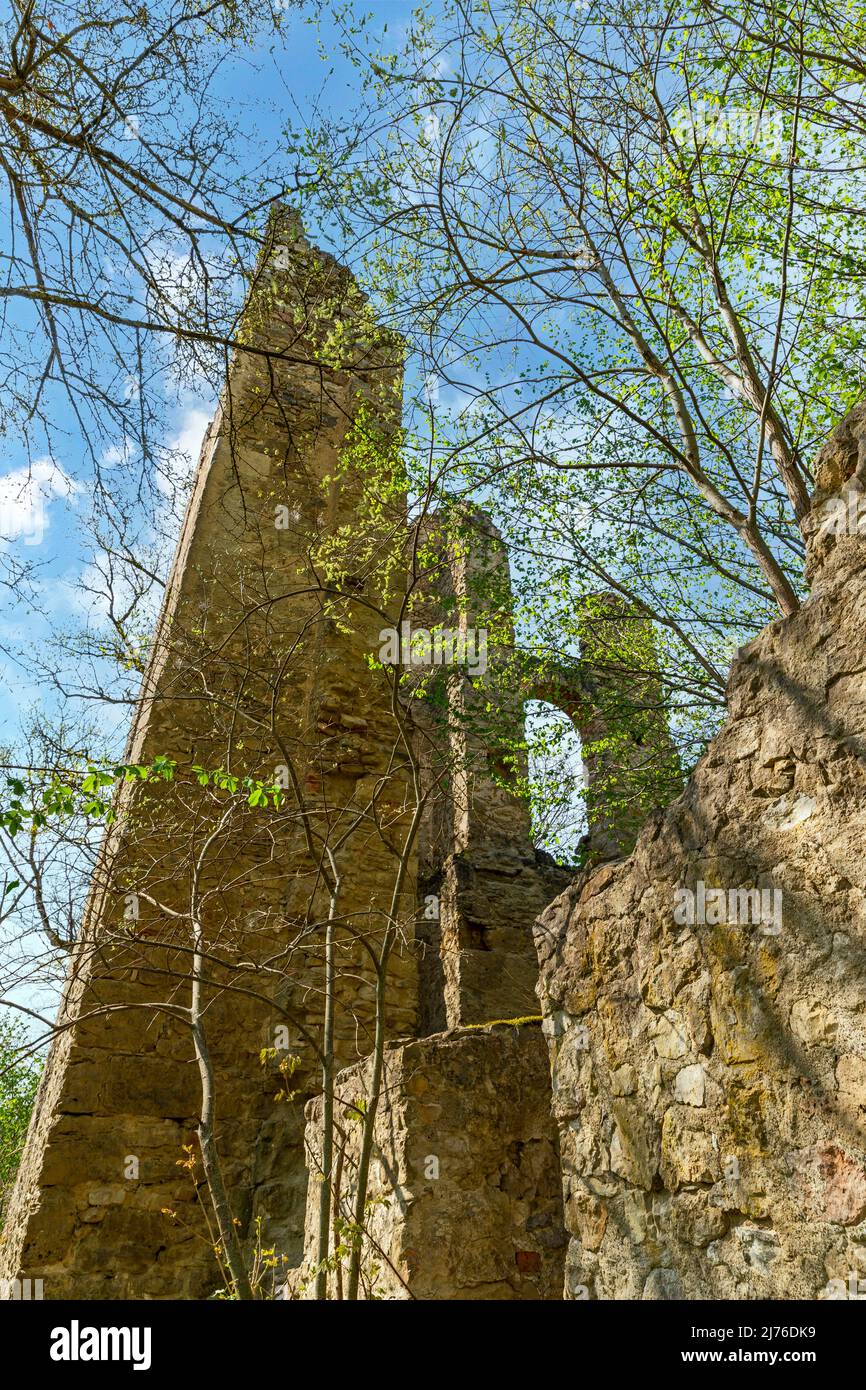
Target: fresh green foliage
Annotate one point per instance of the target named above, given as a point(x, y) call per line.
point(625, 246)
point(36, 802)
point(19, 1079)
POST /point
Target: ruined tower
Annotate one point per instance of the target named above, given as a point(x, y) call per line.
point(259, 671)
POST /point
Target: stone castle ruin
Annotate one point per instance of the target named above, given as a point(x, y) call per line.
point(686, 1119)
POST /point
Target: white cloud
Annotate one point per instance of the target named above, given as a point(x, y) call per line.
point(25, 495)
point(117, 454)
point(185, 448)
point(190, 437)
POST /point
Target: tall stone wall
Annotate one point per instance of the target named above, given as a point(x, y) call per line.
point(708, 1048)
point(477, 863)
point(260, 668)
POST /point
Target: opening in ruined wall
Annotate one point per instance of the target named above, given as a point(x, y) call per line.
point(556, 781)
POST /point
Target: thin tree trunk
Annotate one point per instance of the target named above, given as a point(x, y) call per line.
point(338, 1182)
point(231, 1246)
point(209, 1156)
point(369, 1123)
point(327, 1108)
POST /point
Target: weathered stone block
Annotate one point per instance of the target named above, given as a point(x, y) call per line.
point(466, 1197)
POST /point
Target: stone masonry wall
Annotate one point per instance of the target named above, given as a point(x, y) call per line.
point(476, 859)
point(465, 1198)
point(709, 1076)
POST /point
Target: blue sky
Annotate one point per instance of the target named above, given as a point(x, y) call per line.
point(44, 492)
point(274, 85)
